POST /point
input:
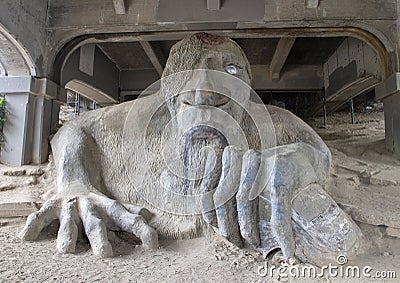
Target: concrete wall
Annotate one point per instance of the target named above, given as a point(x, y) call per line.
point(352, 49)
point(26, 21)
point(293, 78)
point(353, 68)
point(105, 76)
point(352, 60)
point(44, 27)
point(69, 19)
point(153, 11)
point(137, 79)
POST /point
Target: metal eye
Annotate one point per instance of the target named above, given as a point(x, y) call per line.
point(232, 69)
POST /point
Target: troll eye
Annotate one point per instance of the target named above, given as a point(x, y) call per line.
point(233, 69)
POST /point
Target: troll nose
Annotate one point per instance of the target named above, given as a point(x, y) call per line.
point(205, 96)
point(206, 93)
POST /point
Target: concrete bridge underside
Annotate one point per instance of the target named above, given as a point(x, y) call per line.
point(111, 51)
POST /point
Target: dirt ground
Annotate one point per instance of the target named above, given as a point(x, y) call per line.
point(365, 181)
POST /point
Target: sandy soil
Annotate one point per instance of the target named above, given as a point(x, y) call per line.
point(362, 170)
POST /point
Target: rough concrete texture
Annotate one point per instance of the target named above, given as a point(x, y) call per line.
point(104, 166)
point(26, 21)
point(209, 258)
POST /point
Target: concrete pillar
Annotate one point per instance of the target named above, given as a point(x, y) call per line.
point(55, 111)
point(389, 93)
point(30, 104)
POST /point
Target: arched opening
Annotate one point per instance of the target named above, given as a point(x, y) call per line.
point(90, 72)
point(292, 64)
point(90, 92)
point(82, 97)
point(14, 59)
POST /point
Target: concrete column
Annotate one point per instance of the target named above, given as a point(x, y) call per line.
point(29, 102)
point(391, 106)
point(389, 93)
point(55, 111)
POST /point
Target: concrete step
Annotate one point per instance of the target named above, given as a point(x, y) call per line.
point(18, 202)
point(375, 208)
point(386, 177)
point(17, 209)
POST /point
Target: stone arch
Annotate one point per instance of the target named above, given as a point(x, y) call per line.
point(90, 92)
point(14, 58)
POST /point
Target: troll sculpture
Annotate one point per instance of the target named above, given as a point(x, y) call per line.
point(201, 153)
